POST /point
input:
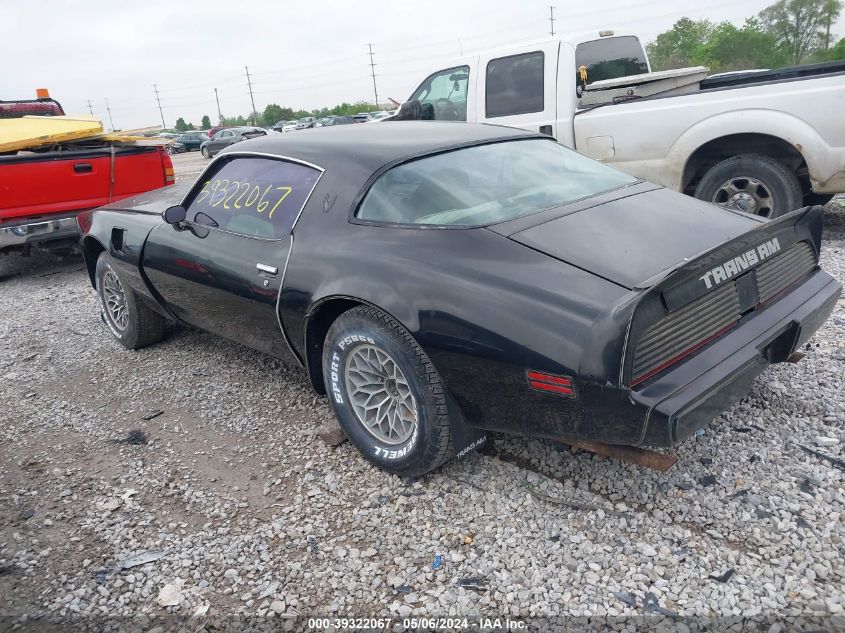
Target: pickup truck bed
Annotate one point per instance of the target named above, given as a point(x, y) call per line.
point(673, 140)
point(42, 192)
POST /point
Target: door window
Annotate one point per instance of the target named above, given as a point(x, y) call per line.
point(443, 95)
point(515, 85)
point(253, 196)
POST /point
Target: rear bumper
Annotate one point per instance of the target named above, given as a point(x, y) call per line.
point(37, 230)
point(687, 398)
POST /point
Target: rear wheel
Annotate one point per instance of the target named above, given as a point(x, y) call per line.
point(752, 183)
point(128, 318)
point(386, 394)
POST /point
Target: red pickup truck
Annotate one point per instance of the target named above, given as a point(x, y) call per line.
point(43, 190)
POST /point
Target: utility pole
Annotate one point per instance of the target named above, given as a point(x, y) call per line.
point(249, 83)
point(552, 19)
point(219, 114)
point(160, 111)
point(373, 70)
point(108, 109)
point(827, 33)
point(90, 107)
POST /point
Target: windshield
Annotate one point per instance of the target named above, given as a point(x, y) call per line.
point(487, 184)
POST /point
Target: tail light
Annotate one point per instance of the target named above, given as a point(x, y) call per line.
point(167, 166)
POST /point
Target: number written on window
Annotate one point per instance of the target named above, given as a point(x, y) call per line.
point(259, 197)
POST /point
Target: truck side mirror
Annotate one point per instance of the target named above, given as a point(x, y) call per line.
point(174, 214)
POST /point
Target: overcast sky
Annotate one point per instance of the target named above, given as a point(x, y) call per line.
point(300, 57)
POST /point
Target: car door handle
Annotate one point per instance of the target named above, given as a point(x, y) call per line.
point(272, 270)
point(83, 168)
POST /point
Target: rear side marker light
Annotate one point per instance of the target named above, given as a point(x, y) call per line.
point(550, 383)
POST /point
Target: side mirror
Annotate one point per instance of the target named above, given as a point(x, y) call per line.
point(174, 214)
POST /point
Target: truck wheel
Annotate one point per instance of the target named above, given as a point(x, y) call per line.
point(385, 393)
point(131, 322)
point(204, 152)
point(752, 183)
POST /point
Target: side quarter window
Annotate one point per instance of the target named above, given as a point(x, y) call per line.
point(514, 85)
point(252, 196)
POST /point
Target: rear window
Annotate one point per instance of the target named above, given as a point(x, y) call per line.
point(487, 184)
point(611, 57)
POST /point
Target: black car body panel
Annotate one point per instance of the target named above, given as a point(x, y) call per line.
point(625, 229)
point(568, 291)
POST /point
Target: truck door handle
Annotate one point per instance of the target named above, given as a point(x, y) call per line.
point(271, 270)
point(83, 168)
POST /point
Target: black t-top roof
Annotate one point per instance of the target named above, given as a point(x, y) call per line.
point(366, 147)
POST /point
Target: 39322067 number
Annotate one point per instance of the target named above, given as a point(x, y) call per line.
point(240, 194)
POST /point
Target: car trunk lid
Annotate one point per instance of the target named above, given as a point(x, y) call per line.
point(633, 240)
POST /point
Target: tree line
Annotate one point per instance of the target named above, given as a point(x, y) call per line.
point(274, 113)
point(789, 32)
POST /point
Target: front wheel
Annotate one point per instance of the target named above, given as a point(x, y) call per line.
point(386, 394)
point(752, 183)
point(205, 153)
point(128, 318)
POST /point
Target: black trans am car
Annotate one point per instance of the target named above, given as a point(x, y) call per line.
point(439, 280)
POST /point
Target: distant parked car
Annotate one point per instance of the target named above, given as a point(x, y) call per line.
point(188, 142)
point(216, 129)
point(305, 122)
point(290, 126)
point(379, 116)
point(279, 126)
point(227, 137)
point(336, 120)
point(361, 117)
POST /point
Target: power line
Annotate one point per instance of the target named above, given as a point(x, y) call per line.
point(373, 70)
point(160, 111)
point(252, 100)
point(90, 107)
point(552, 19)
point(108, 109)
point(219, 114)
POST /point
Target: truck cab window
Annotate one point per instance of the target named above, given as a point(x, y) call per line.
point(443, 95)
point(609, 58)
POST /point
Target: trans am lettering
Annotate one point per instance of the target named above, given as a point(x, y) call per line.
point(735, 266)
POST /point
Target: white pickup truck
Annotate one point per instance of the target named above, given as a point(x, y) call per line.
point(765, 142)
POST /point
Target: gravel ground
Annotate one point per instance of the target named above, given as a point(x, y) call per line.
point(243, 511)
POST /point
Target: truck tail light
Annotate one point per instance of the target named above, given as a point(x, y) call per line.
point(167, 166)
